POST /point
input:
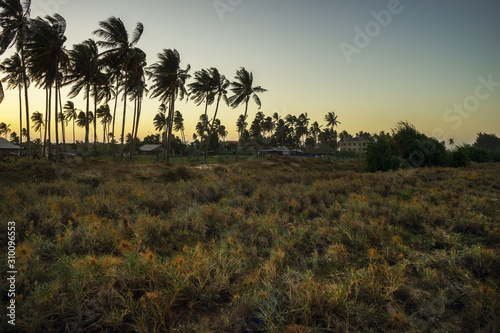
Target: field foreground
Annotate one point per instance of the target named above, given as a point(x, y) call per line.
point(276, 245)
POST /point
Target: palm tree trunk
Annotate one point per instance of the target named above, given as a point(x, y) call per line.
point(25, 83)
point(62, 122)
point(49, 143)
point(204, 128)
point(114, 116)
point(95, 121)
point(20, 120)
point(212, 127)
point(244, 120)
point(46, 122)
point(57, 121)
point(74, 140)
point(123, 122)
point(169, 125)
point(86, 148)
point(132, 144)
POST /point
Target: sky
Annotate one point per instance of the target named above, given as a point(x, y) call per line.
point(435, 64)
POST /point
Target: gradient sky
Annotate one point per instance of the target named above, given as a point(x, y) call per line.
point(426, 59)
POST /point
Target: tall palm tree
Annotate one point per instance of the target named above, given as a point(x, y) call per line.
point(14, 23)
point(168, 83)
point(70, 113)
point(136, 71)
point(219, 84)
point(115, 39)
point(179, 125)
point(84, 70)
point(202, 90)
point(243, 90)
point(48, 57)
point(331, 120)
point(15, 79)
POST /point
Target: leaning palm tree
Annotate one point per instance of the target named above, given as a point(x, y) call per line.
point(70, 114)
point(15, 79)
point(243, 90)
point(168, 83)
point(14, 23)
point(48, 57)
point(115, 39)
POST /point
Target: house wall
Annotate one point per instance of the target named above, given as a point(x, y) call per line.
point(357, 146)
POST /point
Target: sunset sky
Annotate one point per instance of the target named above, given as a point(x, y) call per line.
point(374, 63)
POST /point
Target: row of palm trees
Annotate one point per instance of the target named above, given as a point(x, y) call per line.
point(118, 71)
point(290, 130)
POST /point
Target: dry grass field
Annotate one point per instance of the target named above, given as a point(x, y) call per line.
point(272, 245)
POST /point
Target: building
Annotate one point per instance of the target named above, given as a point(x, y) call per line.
point(6, 147)
point(152, 149)
point(357, 144)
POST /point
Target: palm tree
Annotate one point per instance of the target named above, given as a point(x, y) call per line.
point(201, 89)
point(136, 71)
point(219, 85)
point(315, 130)
point(84, 119)
point(243, 90)
point(104, 113)
point(331, 120)
point(5, 129)
point(179, 125)
point(70, 114)
point(168, 83)
point(302, 124)
point(84, 69)
point(115, 39)
point(14, 23)
point(38, 123)
point(48, 57)
point(15, 79)
point(241, 124)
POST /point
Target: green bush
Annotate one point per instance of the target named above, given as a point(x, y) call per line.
point(406, 148)
point(379, 156)
point(456, 159)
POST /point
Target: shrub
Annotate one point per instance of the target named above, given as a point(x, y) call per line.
point(456, 159)
point(379, 155)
